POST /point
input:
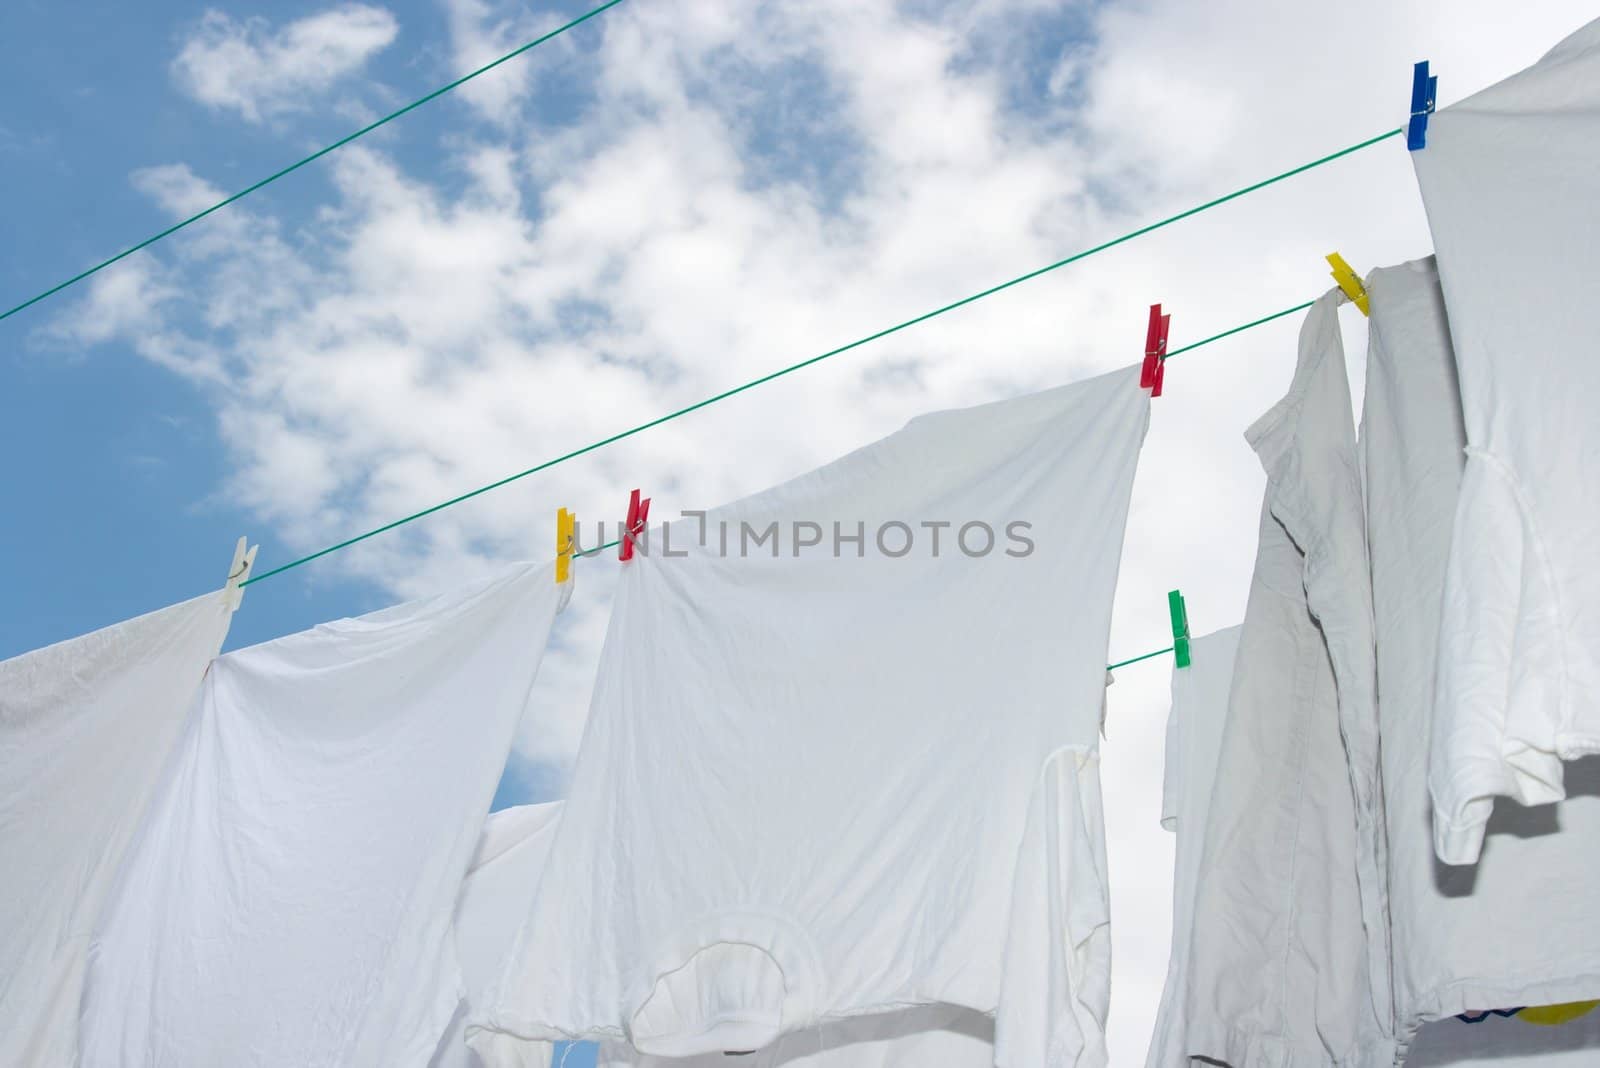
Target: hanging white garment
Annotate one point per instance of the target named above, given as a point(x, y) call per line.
point(512, 851)
point(1511, 180)
point(929, 1036)
point(289, 898)
point(86, 727)
point(1194, 745)
point(854, 769)
point(1280, 967)
point(1519, 928)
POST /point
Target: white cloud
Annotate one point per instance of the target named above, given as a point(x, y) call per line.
point(248, 67)
point(746, 185)
point(481, 32)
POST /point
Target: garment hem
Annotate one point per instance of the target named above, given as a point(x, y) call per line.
point(1480, 994)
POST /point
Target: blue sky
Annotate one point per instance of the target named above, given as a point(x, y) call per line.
point(669, 201)
point(122, 517)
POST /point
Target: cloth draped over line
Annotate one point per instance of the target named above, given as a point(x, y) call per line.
point(289, 898)
point(784, 749)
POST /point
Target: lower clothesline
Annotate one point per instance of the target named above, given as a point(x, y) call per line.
point(581, 553)
point(674, 415)
point(643, 426)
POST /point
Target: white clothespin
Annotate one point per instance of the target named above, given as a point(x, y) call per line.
point(238, 572)
point(1105, 701)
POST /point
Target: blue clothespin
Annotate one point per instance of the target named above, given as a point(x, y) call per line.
point(1424, 90)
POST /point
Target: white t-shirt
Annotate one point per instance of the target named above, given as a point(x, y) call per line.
point(1520, 927)
point(1194, 744)
point(1280, 967)
point(511, 856)
point(817, 785)
point(1511, 180)
point(288, 900)
point(512, 851)
point(86, 727)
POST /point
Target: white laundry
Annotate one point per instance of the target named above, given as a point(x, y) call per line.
point(289, 898)
point(1194, 745)
point(1520, 927)
point(835, 779)
point(86, 727)
point(1498, 1042)
point(1281, 971)
point(512, 851)
point(1511, 180)
point(929, 1036)
point(494, 899)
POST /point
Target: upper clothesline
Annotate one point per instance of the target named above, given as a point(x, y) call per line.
point(269, 179)
point(885, 332)
point(442, 90)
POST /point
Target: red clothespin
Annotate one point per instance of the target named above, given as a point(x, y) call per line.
point(1155, 351)
point(638, 515)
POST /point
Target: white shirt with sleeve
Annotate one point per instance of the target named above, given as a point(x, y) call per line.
point(1510, 177)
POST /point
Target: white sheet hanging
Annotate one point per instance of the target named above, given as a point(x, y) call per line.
point(86, 727)
point(818, 785)
point(289, 899)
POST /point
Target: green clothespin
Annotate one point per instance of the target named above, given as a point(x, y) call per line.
point(1180, 629)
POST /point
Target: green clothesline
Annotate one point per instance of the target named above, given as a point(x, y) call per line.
point(1109, 667)
point(727, 393)
point(1075, 257)
point(670, 416)
point(1136, 659)
point(673, 415)
point(443, 89)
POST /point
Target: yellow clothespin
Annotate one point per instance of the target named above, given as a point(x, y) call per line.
point(1556, 1015)
point(566, 528)
point(1349, 281)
